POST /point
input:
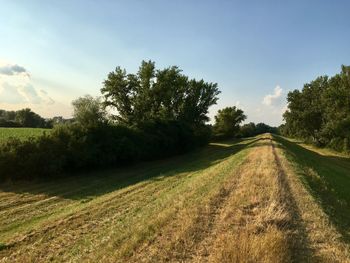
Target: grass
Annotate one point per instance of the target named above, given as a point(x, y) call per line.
point(235, 201)
point(327, 176)
point(117, 213)
point(21, 133)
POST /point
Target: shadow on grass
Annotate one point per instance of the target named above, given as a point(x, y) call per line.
point(327, 178)
point(86, 186)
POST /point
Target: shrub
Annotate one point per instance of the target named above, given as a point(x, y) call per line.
point(73, 147)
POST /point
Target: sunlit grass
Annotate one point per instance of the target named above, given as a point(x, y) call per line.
point(21, 133)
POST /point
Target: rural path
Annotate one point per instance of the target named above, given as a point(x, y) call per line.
point(229, 203)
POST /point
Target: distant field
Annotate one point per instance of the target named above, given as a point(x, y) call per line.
point(21, 133)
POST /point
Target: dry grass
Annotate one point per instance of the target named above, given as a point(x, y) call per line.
point(256, 224)
point(228, 203)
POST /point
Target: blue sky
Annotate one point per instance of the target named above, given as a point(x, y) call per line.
point(256, 51)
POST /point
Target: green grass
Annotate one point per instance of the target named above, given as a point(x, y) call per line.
point(111, 212)
point(327, 176)
point(21, 133)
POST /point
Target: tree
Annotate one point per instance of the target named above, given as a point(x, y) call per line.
point(320, 112)
point(151, 95)
point(248, 130)
point(27, 118)
point(227, 121)
point(88, 111)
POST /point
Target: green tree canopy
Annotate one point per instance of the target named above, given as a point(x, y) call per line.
point(320, 112)
point(152, 94)
point(88, 111)
point(227, 121)
point(28, 118)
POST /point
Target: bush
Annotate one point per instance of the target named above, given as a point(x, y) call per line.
point(73, 147)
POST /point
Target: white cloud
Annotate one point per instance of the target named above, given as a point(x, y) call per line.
point(16, 87)
point(23, 93)
point(10, 94)
point(270, 99)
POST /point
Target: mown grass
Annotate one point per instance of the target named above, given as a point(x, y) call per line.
point(327, 176)
point(108, 214)
point(21, 133)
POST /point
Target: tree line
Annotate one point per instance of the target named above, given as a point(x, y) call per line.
point(156, 113)
point(320, 112)
point(28, 119)
point(151, 114)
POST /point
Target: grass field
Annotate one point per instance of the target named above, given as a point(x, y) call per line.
point(327, 175)
point(242, 201)
point(21, 133)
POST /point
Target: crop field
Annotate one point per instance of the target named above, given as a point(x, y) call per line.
point(261, 199)
point(21, 133)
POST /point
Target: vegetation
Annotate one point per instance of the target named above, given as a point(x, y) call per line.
point(23, 118)
point(21, 133)
point(159, 114)
point(88, 111)
point(227, 122)
point(327, 176)
point(256, 198)
point(252, 129)
point(152, 95)
point(320, 112)
point(227, 202)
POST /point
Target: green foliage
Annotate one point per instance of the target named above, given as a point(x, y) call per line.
point(252, 129)
point(320, 112)
point(21, 133)
point(327, 176)
point(73, 147)
point(22, 118)
point(160, 113)
point(227, 122)
point(152, 94)
point(88, 111)
point(27, 118)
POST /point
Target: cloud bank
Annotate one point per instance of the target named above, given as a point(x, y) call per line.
point(16, 87)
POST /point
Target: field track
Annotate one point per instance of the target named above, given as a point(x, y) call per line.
point(229, 202)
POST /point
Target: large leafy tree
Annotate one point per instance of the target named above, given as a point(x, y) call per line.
point(28, 118)
point(152, 94)
point(321, 111)
point(88, 111)
point(227, 121)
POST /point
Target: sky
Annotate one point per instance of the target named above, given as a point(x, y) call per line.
point(52, 52)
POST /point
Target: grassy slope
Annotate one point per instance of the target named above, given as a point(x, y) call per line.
point(229, 202)
point(128, 206)
point(20, 133)
point(327, 176)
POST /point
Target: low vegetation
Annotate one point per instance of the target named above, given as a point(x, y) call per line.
point(21, 133)
point(327, 175)
point(235, 201)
